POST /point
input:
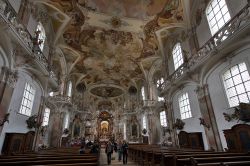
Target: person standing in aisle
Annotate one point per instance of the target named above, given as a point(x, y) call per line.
point(119, 149)
point(125, 152)
point(109, 151)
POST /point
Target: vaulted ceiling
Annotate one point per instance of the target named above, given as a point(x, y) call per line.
point(111, 41)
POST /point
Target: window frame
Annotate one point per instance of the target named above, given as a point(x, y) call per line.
point(159, 83)
point(164, 120)
point(185, 106)
point(216, 22)
point(27, 100)
point(175, 56)
point(66, 121)
point(69, 89)
point(224, 86)
point(46, 116)
point(143, 93)
point(144, 122)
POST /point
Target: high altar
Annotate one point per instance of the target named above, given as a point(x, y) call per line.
point(105, 126)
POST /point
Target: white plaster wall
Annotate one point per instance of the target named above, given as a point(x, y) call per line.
point(217, 91)
point(17, 121)
point(234, 6)
point(32, 24)
point(15, 4)
point(191, 124)
point(171, 65)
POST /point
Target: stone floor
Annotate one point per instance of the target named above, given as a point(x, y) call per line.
point(103, 159)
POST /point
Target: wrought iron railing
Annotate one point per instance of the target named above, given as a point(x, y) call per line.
point(225, 33)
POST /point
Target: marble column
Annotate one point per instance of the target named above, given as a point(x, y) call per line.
point(154, 126)
point(207, 112)
point(56, 128)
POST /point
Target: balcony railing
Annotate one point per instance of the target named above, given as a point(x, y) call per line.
point(62, 100)
point(9, 16)
point(237, 23)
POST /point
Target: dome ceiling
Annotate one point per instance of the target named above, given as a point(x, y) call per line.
point(111, 40)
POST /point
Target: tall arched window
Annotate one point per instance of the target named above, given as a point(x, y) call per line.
point(124, 131)
point(46, 117)
point(177, 56)
point(237, 84)
point(159, 84)
point(163, 118)
point(144, 123)
point(27, 100)
point(69, 90)
point(66, 122)
point(42, 35)
point(184, 106)
point(217, 15)
point(143, 93)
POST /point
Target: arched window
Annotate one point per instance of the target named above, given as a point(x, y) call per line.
point(163, 118)
point(184, 106)
point(144, 123)
point(27, 100)
point(237, 84)
point(46, 117)
point(66, 122)
point(69, 92)
point(143, 93)
point(42, 35)
point(159, 84)
point(217, 15)
point(177, 56)
point(124, 130)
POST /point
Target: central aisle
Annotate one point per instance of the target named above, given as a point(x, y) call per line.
point(103, 159)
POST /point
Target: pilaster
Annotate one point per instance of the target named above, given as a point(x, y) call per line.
point(207, 112)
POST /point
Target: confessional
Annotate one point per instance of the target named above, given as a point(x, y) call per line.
point(191, 140)
point(18, 142)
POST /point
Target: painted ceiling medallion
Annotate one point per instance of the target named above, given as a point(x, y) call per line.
point(116, 22)
point(106, 91)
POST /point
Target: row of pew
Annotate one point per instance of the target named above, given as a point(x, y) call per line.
point(55, 157)
point(154, 155)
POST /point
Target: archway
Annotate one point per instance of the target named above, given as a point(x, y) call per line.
point(105, 126)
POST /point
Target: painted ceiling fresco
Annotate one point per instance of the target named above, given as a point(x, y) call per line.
point(140, 9)
point(101, 32)
point(106, 91)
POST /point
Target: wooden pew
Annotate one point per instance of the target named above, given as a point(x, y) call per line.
point(63, 157)
point(195, 161)
point(49, 162)
point(235, 163)
point(180, 160)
